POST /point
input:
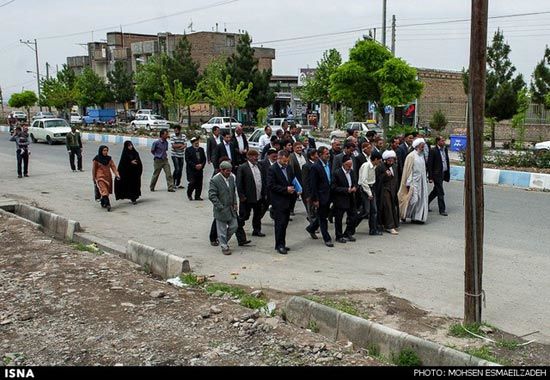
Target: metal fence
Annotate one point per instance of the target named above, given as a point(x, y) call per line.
point(537, 114)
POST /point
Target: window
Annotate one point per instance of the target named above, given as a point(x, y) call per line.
point(41, 125)
point(255, 136)
point(230, 41)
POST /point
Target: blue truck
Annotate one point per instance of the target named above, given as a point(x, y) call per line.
point(100, 116)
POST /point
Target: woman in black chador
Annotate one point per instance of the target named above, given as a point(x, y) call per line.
point(130, 169)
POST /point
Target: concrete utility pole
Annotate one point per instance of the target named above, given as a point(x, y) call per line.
point(2, 101)
point(35, 49)
point(384, 22)
point(393, 35)
point(473, 184)
point(47, 71)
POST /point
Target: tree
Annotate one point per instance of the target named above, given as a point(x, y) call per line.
point(149, 86)
point(60, 92)
point(213, 72)
point(502, 88)
point(92, 90)
point(25, 99)
point(439, 121)
point(225, 95)
point(121, 84)
point(317, 87)
point(540, 82)
point(181, 65)
point(243, 67)
point(518, 121)
point(180, 98)
point(373, 74)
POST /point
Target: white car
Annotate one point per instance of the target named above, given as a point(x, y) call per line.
point(254, 138)
point(19, 115)
point(76, 118)
point(49, 130)
point(43, 115)
point(362, 127)
point(149, 122)
point(144, 111)
point(222, 122)
point(542, 147)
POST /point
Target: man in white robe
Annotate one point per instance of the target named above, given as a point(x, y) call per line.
point(413, 193)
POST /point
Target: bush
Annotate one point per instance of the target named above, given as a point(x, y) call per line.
point(539, 160)
point(398, 130)
point(438, 121)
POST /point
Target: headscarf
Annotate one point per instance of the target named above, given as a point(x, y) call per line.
point(126, 158)
point(128, 154)
point(103, 160)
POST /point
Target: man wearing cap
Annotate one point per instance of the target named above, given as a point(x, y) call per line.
point(386, 192)
point(195, 159)
point(222, 194)
point(413, 193)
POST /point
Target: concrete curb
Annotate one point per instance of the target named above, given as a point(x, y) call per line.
point(340, 326)
point(160, 263)
point(513, 178)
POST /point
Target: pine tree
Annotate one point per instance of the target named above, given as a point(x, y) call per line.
point(182, 66)
point(540, 83)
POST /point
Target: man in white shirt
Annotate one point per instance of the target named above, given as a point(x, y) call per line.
point(367, 179)
point(265, 138)
point(240, 146)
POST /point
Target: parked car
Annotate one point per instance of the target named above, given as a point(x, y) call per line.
point(542, 147)
point(43, 115)
point(362, 127)
point(50, 130)
point(76, 118)
point(149, 122)
point(19, 115)
point(222, 122)
point(144, 111)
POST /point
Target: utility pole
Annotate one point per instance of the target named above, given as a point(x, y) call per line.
point(393, 35)
point(473, 184)
point(35, 49)
point(384, 22)
point(1, 101)
point(47, 71)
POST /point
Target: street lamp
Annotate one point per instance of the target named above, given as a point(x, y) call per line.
point(35, 73)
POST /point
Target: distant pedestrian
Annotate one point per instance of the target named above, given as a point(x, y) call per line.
point(102, 167)
point(74, 148)
point(179, 143)
point(439, 171)
point(21, 138)
point(195, 158)
point(130, 169)
point(222, 194)
point(159, 151)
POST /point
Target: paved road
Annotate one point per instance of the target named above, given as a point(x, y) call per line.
point(424, 264)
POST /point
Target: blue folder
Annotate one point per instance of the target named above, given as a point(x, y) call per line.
point(296, 185)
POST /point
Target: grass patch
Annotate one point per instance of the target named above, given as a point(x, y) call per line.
point(483, 352)
point(373, 350)
point(508, 344)
point(407, 358)
point(312, 325)
point(92, 248)
point(458, 331)
point(189, 279)
point(343, 305)
point(252, 302)
point(246, 299)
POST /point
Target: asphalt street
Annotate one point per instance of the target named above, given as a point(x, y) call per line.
point(424, 264)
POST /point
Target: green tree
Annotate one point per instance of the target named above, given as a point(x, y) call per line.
point(518, 120)
point(317, 87)
point(439, 121)
point(213, 72)
point(181, 65)
point(540, 82)
point(243, 67)
point(225, 95)
point(92, 90)
point(25, 99)
point(179, 98)
point(373, 74)
point(502, 88)
point(60, 92)
point(149, 86)
point(121, 84)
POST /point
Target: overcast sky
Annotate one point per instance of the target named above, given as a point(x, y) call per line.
point(441, 46)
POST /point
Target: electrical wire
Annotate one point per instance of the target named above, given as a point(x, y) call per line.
point(6, 3)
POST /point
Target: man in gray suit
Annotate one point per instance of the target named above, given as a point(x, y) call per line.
point(223, 196)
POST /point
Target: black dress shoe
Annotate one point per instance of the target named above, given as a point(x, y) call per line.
point(444, 213)
point(282, 251)
point(199, 199)
point(288, 249)
point(258, 234)
point(417, 222)
point(245, 242)
point(375, 233)
point(190, 199)
point(341, 240)
point(215, 243)
point(313, 236)
point(329, 243)
point(350, 238)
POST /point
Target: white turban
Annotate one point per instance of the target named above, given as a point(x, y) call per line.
point(388, 154)
point(418, 141)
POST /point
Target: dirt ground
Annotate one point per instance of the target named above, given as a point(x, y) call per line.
point(62, 306)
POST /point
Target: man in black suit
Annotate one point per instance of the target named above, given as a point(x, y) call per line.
point(279, 183)
point(340, 158)
point(240, 145)
point(344, 187)
point(312, 158)
point(226, 149)
point(211, 145)
point(274, 143)
point(336, 149)
point(439, 170)
point(319, 185)
point(403, 151)
point(251, 187)
point(195, 160)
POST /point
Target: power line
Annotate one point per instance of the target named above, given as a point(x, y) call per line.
point(215, 5)
point(7, 3)
point(400, 26)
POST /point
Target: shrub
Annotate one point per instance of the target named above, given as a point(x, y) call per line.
point(438, 121)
